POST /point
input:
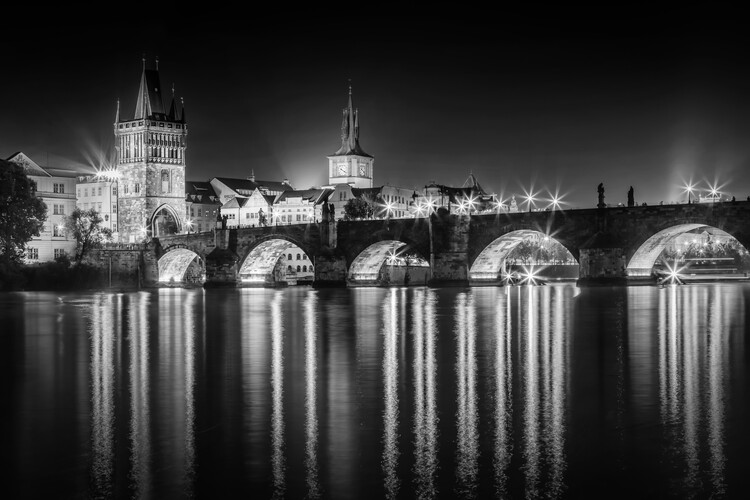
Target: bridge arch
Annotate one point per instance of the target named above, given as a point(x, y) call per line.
point(491, 260)
point(409, 264)
point(267, 261)
point(647, 253)
point(175, 263)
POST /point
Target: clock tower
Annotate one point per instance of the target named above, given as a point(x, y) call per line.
point(350, 164)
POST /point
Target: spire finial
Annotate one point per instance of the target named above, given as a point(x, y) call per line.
point(350, 86)
point(172, 90)
point(157, 63)
point(143, 60)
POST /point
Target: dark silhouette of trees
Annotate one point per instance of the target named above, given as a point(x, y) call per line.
point(22, 214)
point(357, 208)
point(85, 226)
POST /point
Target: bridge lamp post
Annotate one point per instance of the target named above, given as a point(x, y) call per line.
point(189, 224)
point(689, 188)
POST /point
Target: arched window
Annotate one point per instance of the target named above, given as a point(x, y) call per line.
point(289, 269)
point(311, 268)
point(304, 269)
point(289, 257)
point(298, 269)
point(299, 257)
point(165, 181)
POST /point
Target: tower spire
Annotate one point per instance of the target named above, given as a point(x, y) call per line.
point(117, 113)
point(350, 129)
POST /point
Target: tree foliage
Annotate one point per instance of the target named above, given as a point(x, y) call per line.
point(22, 214)
point(357, 208)
point(85, 226)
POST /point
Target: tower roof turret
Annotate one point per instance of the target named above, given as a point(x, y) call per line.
point(350, 131)
point(149, 103)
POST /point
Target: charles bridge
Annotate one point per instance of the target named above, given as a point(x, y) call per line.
point(611, 245)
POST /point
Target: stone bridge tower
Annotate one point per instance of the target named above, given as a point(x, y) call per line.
point(151, 164)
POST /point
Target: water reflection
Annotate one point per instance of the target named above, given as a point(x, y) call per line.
point(425, 415)
point(503, 396)
point(311, 407)
point(339, 393)
point(390, 393)
point(467, 452)
point(693, 330)
point(277, 388)
point(140, 407)
point(102, 333)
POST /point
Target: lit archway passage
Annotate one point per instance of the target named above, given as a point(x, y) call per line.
point(492, 260)
point(174, 266)
point(644, 259)
point(165, 222)
point(277, 260)
point(403, 266)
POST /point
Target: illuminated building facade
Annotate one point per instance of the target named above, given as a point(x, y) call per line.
point(99, 193)
point(151, 164)
point(57, 189)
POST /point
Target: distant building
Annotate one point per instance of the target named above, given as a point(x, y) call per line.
point(469, 198)
point(99, 193)
point(227, 188)
point(300, 207)
point(350, 164)
point(151, 162)
point(202, 206)
point(57, 189)
point(249, 211)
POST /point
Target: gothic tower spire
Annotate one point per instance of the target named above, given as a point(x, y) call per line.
point(350, 164)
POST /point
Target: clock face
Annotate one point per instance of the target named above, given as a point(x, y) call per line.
point(342, 169)
point(362, 169)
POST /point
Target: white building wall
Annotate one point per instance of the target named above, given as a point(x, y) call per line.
point(52, 239)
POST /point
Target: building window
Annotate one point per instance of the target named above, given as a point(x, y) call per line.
point(298, 269)
point(99, 207)
point(289, 269)
point(165, 181)
point(304, 269)
point(137, 188)
point(54, 209)
point(289, 257)
point(304, 256)
point(32, 253)
point(114, 190)
point(299, 257)
point(78, 193)
point(192, 212)
point(114, 208)
point(126, 189)
point(58, 231)
point(114, 226)
point(200, 212)
point(59, 252)
point(99, 191)
point(86, 193)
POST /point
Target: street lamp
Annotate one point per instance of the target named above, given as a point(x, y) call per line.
point(689, 189)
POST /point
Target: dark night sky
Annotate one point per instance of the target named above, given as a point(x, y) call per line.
point(520, 101)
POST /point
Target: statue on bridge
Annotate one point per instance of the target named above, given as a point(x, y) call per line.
point(600, 188)
point(631, 200)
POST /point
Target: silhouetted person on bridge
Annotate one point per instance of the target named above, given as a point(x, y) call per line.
point(631, 200)
point(600, 189)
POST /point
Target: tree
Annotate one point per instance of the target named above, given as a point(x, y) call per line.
point(524, 251)
point(357, 208)
point(85, 226)
point(22, 214)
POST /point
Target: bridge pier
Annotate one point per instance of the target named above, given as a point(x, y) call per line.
point(602, 266)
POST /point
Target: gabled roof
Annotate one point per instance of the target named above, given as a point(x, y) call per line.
point(236, 202)
point(201, 192)
point(29, 165)
point(314, 196)
point(248, 186)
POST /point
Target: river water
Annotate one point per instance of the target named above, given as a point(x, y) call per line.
point(522, 392)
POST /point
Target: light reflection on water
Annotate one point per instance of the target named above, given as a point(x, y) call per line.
point(524, 392)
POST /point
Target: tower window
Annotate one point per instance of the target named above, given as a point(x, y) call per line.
point(137, 188)
point(165, 181)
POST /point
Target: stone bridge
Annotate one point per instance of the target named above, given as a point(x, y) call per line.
point(617, 244)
